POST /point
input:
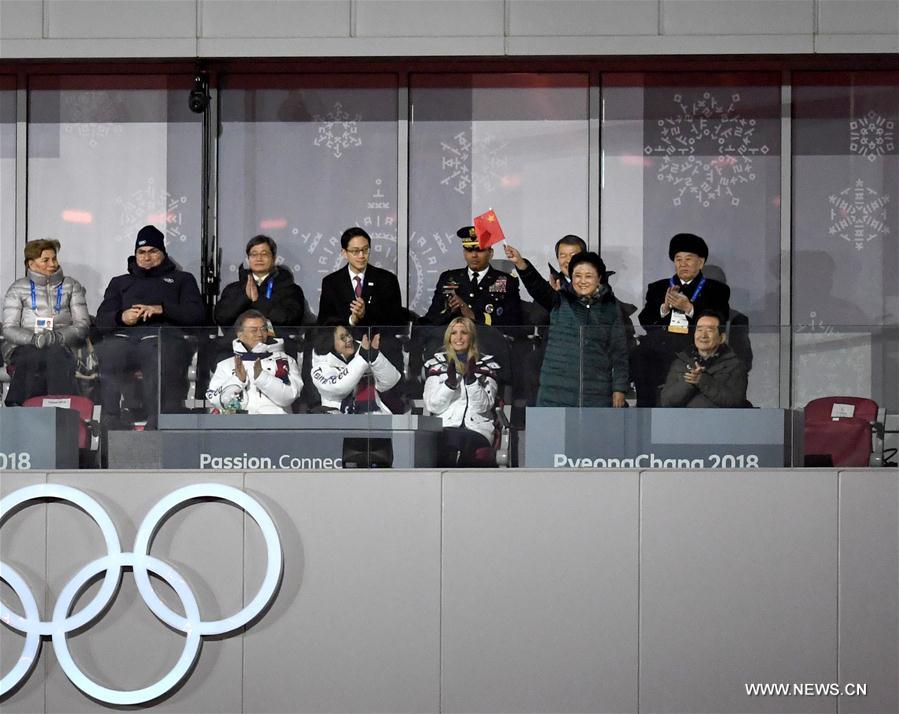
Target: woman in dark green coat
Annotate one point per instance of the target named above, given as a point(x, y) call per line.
point(586, 359)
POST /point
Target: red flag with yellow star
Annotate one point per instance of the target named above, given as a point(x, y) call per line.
point(488, 229)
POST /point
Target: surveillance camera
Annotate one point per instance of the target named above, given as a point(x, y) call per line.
point(198, 99)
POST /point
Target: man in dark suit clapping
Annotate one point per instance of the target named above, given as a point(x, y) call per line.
point(359, 294)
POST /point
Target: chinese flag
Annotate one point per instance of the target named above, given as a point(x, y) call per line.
point(488, 229)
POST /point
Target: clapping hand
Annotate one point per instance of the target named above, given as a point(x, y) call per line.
point(676, 300)
point(452, 377)
point(470, 374)
point(457, 304)
point(692, 375)
point(239, 370)
point(357, 310)
point(257, 368)
point(251, 289)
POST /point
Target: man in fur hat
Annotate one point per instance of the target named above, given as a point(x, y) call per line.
point(671, 310)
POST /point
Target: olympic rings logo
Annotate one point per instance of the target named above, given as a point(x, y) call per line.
point(141, 563)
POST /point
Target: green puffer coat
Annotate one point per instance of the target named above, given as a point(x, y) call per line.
point(586, 355)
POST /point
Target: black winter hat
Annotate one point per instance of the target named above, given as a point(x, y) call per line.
point(150, 236)
point(687, 243)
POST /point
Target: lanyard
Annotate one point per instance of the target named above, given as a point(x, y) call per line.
point(34, 296)
point(696, 292)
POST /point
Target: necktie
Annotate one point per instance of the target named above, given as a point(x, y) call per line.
point(358, 289)
point(474, 281)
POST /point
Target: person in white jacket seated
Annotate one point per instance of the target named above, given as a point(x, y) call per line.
point(260, 378)
point(351, 378)
point(461, 389)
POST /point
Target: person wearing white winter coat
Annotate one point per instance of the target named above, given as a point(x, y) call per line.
point(351, 380)
point(44, 318)
point(260, 378)
point(461, 389)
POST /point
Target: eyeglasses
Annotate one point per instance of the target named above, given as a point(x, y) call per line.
point(254, 330)
point(358, 251)
point(260, 254)
point(345, 337)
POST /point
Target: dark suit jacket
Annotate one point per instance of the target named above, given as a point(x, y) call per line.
point(714, 296)
point(496, 300)
point(380, 291)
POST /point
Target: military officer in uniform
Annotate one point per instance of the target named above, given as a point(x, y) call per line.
point(479, 292)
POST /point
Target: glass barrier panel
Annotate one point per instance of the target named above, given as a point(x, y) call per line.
point(531, 396)
point(108, 155)
point(10, 253)
point(301, 159)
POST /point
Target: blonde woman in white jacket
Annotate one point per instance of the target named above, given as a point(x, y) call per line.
point(351, 380)
point(260, 378)
point(461, 389)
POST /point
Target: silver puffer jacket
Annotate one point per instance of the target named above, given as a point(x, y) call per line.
point(72, 320)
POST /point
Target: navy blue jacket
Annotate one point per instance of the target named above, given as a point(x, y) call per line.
point(164, 285)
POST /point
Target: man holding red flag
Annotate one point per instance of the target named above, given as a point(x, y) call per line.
point(479, 291)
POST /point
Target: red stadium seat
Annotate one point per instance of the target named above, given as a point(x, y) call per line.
point(88, 429)
point(841, 428)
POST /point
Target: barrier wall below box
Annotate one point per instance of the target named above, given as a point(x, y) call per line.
point(298, 441)
point(663, 438)
point(32, 438)
point(502, 591)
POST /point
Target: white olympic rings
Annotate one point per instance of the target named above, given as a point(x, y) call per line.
point(140, 561)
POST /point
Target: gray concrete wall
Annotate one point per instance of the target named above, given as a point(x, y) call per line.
point(532, 591)
point(388, 28)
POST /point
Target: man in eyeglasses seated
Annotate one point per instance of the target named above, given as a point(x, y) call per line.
point(480, 292)
point(259, 378)
point(708, 375)
point(360, 294)
point(264, 286)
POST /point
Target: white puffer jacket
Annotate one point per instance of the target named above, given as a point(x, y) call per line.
point(336, 380)
point(72, 321)
point(272, 392)
point(468, 405)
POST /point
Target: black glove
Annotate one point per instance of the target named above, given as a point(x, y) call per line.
point(452, 377)
point(369, 354)
point(58, 338)
point(470, 375)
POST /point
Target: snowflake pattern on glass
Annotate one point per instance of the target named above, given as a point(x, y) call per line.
point(858, 214)
point(871, 136)
point(339, 130)
point(457, 157)
point(152, 206)
point(706, 149)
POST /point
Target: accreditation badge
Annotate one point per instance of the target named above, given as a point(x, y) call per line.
point(678, 322)
point(43, 324)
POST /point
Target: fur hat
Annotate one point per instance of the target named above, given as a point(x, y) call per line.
point(687, 243)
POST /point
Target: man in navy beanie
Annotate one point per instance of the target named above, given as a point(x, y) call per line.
point(139, 316)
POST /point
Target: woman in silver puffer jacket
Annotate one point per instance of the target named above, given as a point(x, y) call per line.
point(44, 318)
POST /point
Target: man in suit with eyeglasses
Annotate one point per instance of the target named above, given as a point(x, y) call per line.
point(360, 294)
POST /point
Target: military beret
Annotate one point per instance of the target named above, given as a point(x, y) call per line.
point(687, 243)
